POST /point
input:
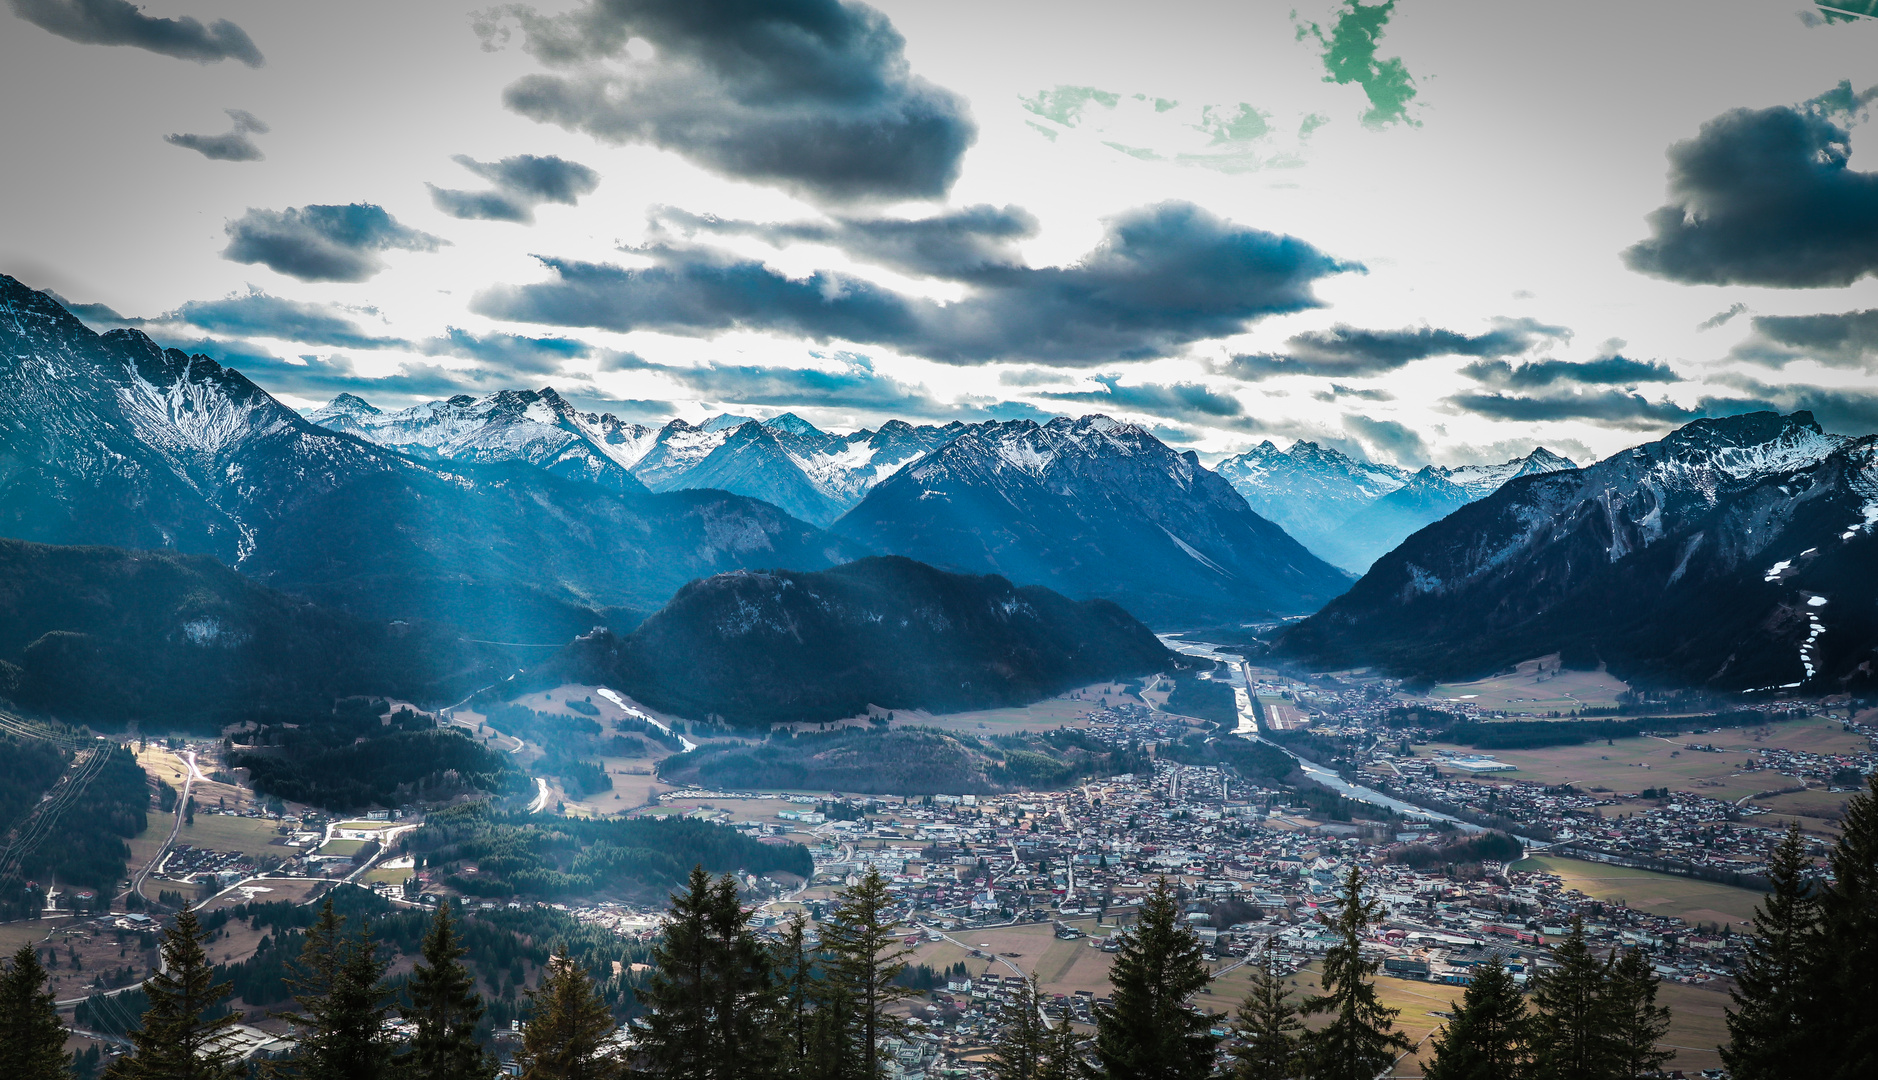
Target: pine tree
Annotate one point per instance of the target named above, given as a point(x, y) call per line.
point(795, 999)
point(1637, 1022)
point(864, 959)
point(1773, 1029)
point(1062, 1054)
point(568, 1038)
point(1268, 1024)
point(1148, 1030)
point(1359, 1042)
point(709, 999)
point(1019, 1051)
point(446, 1008)
point(32, 1040)
point(1847, 979)
point(1490, 1033)
point(336, 983)
point(1571, 1031)
point(175, 1041)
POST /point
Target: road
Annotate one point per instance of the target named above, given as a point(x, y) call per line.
point(182, 805)
point(541, 799)
point(613, 696)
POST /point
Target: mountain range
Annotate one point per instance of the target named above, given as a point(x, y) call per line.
point(760, 647)
point(1351, 512)
point(786, 461)
point(1094, 507)
point(1091, 507)
point(1733, 554)
point(110, 439)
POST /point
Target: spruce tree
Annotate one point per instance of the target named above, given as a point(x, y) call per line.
point(794, 1008)
point(1637, 1022)
point(1148, 1031)
point(446, 1009)
point(1062, 1053)
point(1360, 1040)
point(336, 983)
point(1571, 1031)
point(1489, 1035)
point(176, 1042)
point(569, 1036)
point(32, 1040)
point(1848, 968)
point(1773, 1030)
point(709, 999)
point(864, 959)
point(1019, 1051)
point(1268, 1024)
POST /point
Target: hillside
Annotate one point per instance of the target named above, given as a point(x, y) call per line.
point(1734, 554)
point(110, 439)
point(107, 636)
point(757, 648)
point(900, 761)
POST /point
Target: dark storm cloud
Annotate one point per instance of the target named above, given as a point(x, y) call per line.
point(521, 183)
point(814, 96)
point(1349, 351)
point(1614, 408)
point(856, 385)
point(1165, 276)
point(1763, 197)
point(955, 244)
point(1392, 437)
point(258, 314)
point(322, 243)
point(232, 146)
point(1191, 402)
point(1847, 339)
point(507, 352)
point(118, 22)
point(95, 315)
point(1604, 371)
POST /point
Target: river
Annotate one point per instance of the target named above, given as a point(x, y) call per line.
point(1249, 729)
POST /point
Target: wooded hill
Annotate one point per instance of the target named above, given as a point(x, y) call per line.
point(761, 647)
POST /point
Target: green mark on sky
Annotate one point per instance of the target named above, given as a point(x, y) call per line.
point(1350, 57)
point(1065, 103)
point(1232, 126)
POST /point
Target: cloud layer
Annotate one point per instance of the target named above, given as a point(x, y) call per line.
point(955, 244)
point(814, 96)
point(1163, 277)
point(119, 22)
point(519, 184)
point(1344, 351)
point(322, 243)
point(1764, 197)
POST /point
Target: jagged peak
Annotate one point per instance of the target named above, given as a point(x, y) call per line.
point(792, 424)
point(352, 404)
point(725, 420)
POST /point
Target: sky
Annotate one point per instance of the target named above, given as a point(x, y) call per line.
point(1417, 231)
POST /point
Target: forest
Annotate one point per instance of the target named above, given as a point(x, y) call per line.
point(514, 853)
point(362, 754)
point(83, 845)
point(901, 761)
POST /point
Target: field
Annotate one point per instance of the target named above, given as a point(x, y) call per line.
point(218, 832)
point(1069, 710)
point(1628, 766)
point(343, 848)
point(1689, 899)
point(1537, 687)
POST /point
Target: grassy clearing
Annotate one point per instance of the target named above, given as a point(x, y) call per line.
point(1689, 899)
point(1627, 766)
point(343, 848)
point(250, 836)
point(1537, 687)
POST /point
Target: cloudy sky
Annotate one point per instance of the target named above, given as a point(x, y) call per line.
point(1426, 230)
